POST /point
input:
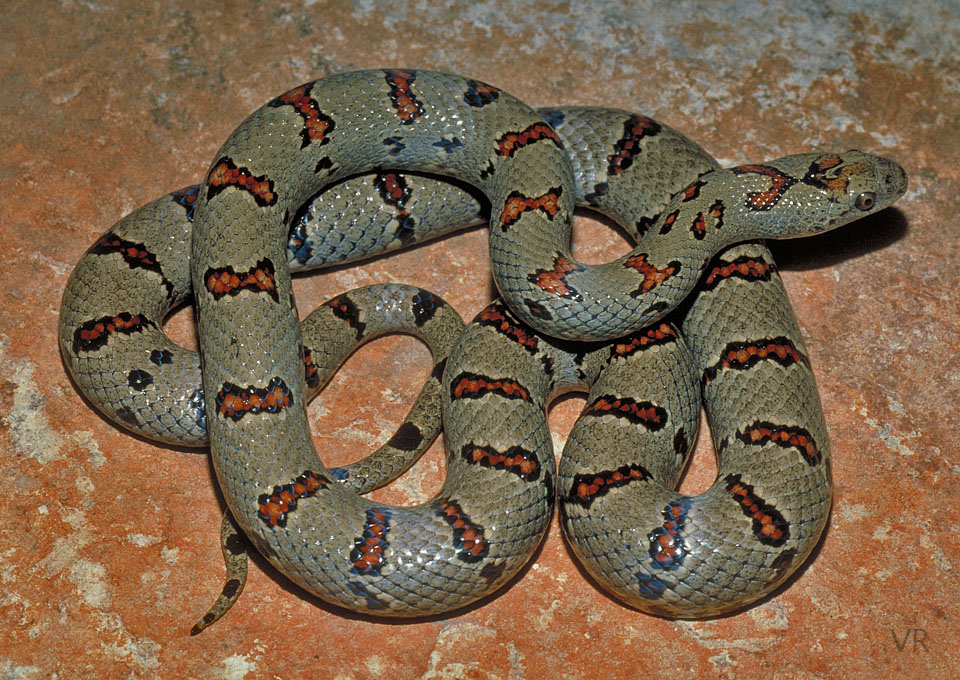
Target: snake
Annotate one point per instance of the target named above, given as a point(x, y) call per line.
point(695, 309)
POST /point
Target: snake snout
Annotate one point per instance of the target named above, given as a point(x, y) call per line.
point(865, 184)
point(890, 180)
point(862, 182)
point(895, 180)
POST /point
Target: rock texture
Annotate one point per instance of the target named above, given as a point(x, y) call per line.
point(108, 544)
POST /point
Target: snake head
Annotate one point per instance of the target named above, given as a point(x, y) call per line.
point(814, 192)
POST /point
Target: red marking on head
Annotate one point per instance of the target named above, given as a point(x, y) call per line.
point(829, 161)
point(779, 183)
point(831, 173)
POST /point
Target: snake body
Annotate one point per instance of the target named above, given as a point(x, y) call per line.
point(655, 549)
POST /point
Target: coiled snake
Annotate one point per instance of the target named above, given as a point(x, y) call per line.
point(561, 326)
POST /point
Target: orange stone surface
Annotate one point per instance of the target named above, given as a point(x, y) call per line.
point(109, 544)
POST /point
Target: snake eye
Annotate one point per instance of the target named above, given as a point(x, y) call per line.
point(866, 200)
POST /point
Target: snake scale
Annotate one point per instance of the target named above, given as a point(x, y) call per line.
point(560, 326)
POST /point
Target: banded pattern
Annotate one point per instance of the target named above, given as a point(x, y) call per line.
point(505, 368)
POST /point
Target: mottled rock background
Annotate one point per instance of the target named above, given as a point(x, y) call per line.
point(108, 544)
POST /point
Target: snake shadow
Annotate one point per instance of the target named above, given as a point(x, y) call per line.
point(869, 234)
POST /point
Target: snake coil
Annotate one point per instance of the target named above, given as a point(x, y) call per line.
point(562, 325)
